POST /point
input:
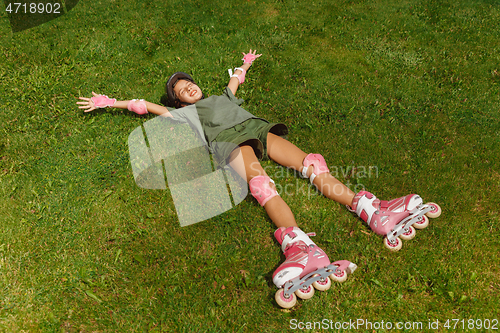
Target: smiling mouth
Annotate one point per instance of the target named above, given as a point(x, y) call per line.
point(193, 93)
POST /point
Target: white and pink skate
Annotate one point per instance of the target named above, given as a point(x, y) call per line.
point(306, 267)
point(395, 219)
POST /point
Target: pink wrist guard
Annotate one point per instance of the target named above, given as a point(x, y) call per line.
point(240, 77)
point(138, 106)
point(249, 58)
point(103, 101)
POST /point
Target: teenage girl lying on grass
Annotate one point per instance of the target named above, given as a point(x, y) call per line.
point(223, 120)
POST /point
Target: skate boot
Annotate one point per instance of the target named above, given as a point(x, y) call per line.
point(394, 219)
point(306, 267)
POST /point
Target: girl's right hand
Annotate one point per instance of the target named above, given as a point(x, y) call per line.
point(88, 104)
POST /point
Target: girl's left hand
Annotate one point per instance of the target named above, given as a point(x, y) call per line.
point(88, 104)
point(248, 58)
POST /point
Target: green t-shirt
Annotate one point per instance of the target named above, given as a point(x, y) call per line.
point(214, 114)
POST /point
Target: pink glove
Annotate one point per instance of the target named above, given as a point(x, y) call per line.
point(248, 58)
point(138, 106)
point(103, 101)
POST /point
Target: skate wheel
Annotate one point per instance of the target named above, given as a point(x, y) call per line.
point(423, 223)
point(393, 247)
point(284, 302)
point(435, 212)
point(339, 277)
point(408, 235)
point(323, 285)
point(305, 293)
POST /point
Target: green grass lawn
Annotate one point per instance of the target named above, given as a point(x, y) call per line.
point(408, 90)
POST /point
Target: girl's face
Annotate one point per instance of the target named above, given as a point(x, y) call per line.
point(187, 92)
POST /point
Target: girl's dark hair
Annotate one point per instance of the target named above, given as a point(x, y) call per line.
point(169, 98)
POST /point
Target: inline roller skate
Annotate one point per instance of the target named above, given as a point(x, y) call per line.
point(395, 219)
point(306, 267)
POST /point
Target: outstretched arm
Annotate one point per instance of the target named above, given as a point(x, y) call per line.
point(137, 106)
point(239, 75)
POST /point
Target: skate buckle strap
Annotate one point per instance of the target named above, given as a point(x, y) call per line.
point(289, 245)
point(293, 235)
point(384, 204)
point(364, 206)
point(294, 248)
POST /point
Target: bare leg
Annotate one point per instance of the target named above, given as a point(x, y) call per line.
point(246, 164)
point(286, 153)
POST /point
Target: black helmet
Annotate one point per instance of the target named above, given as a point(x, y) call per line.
point(169, 98)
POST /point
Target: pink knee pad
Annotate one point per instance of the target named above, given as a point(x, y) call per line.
point(319, 164)
point(138, 106)
point(261, 190)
